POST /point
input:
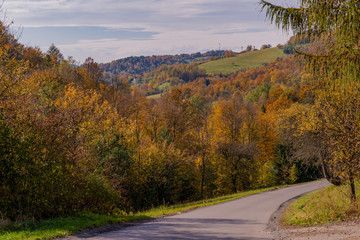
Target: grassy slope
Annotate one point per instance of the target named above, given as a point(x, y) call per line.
point(64, 226)
point(156, 96)
point(243, 61)
point(328, 205)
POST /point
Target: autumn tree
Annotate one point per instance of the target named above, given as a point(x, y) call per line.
point(54, 55)
point(306, 145)
point(94, 71)
point(339, 121)
point(335, 61)
point(234, 143)
point(201, 144)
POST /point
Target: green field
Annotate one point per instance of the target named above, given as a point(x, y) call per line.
point(156, 96)
point(243, 61)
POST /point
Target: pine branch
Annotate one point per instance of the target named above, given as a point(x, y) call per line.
point(286, 18)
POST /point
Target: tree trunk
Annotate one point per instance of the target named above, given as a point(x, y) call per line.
point(329, 175)
point(233, 179)
point(323, 167)
point(202, 177)
point(352, 188)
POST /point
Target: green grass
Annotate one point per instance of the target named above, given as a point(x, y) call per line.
point(242, 61)
point(69, 225)
point(328, 205)
point(163, 86)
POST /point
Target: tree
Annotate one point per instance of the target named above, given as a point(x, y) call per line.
point(54, 55)
point(249, 48)
point(339, 120)
point(202, 142)
point(265, 46)
point(233, 143)
point(94, 71)
point(308, 144)
point(12, 72)
point(334, 25)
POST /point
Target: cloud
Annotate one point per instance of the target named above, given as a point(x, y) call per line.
point(105, 50)
point(69, 35)
point(143, 26)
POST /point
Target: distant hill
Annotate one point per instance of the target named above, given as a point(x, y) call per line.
point(139, 65)
point(243, 61)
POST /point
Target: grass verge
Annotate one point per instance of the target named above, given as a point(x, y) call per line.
point(329, 205)
point(69, 225)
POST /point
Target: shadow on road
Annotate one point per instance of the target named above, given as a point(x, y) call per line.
point(179, 228)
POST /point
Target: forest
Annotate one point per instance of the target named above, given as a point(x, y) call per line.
point(72, 142)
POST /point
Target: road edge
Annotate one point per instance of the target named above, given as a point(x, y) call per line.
point(274, 225)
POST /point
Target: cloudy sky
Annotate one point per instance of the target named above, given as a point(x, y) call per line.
point(110, 29)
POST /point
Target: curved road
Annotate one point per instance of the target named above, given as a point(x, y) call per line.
point(245, 218)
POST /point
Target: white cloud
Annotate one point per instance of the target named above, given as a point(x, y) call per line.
point(105, 50)
point(182, 25)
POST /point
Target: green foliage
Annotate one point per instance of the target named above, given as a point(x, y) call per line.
point(294, 174)
point(160, 174)
point(54, 55)
point(166, 76)
point(289, 49)
point(258, 92)
point(291, 169)
point(334, 24)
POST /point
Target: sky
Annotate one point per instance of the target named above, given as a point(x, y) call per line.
point(107, 30)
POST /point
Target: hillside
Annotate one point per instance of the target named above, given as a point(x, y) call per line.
point(144, 64)
point(242, 61)
point(179, 74)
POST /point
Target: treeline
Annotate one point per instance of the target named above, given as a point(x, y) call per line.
point(132, 66)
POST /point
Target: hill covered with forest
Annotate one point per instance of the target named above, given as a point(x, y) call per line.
point(167, 76)
point(144, 64)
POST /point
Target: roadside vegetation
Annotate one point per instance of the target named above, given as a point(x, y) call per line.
point(333, 59)
point(76, 223)
point(329, 205)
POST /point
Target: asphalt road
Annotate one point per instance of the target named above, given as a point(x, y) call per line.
point(241, 219)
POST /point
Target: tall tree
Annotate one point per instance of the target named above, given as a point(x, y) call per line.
point(336, 23)
point(335, 61)
point(54, 55)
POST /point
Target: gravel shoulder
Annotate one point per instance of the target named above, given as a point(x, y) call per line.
point(335, 231)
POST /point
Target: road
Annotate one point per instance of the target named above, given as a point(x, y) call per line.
point(241, 219)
